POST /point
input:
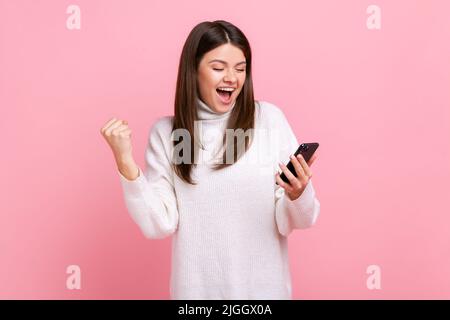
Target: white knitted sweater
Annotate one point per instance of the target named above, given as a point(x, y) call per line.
point(229, 232)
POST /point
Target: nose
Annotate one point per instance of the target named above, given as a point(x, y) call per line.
point(230, 76)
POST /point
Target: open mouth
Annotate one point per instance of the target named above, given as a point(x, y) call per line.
point(225, 94)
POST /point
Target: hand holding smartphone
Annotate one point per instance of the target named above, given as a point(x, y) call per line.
point(306, 150)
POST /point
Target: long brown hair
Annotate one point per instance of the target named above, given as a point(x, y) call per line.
point(205, 37)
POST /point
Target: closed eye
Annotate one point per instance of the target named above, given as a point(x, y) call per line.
point(222, 70)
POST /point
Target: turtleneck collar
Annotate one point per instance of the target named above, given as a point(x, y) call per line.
point(206, 113)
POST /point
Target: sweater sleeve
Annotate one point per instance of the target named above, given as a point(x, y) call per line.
point(302, 212)
point(150, 198)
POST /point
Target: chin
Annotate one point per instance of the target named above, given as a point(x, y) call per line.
point(222, 108)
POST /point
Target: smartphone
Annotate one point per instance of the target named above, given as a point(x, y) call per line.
point(306, 150)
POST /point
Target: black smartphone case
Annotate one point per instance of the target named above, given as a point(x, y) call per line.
point(306, 150)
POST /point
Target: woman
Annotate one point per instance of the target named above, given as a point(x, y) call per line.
point(229, 219)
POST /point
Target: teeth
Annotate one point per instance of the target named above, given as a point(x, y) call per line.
point(227, 89)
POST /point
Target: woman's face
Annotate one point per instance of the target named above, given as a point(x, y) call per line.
point(222, 67)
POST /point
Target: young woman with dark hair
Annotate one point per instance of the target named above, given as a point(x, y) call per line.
point(230, 213)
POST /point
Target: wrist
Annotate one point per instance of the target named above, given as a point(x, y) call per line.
point(129, 170)
point(124, 160)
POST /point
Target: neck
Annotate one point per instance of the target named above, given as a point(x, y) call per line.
point(205, 112)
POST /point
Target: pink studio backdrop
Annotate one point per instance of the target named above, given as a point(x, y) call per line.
point(377, 101)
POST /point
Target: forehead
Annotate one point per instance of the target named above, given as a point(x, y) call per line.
point(226, 52)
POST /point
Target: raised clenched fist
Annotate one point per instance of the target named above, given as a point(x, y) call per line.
point(118, 135)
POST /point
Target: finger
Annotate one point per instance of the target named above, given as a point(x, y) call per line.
point(305, 166)
point(311, 161)
point(107, 124)
point(119, 129)
point(293, 181)
point(123, 128)
point(125, 133)
point(313, 158)
point(281, 183)
point(113, 126)
point(298, 167)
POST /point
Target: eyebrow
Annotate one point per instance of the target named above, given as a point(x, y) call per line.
point(221, 61)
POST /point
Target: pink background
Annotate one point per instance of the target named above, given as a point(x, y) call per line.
point(377, 101)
